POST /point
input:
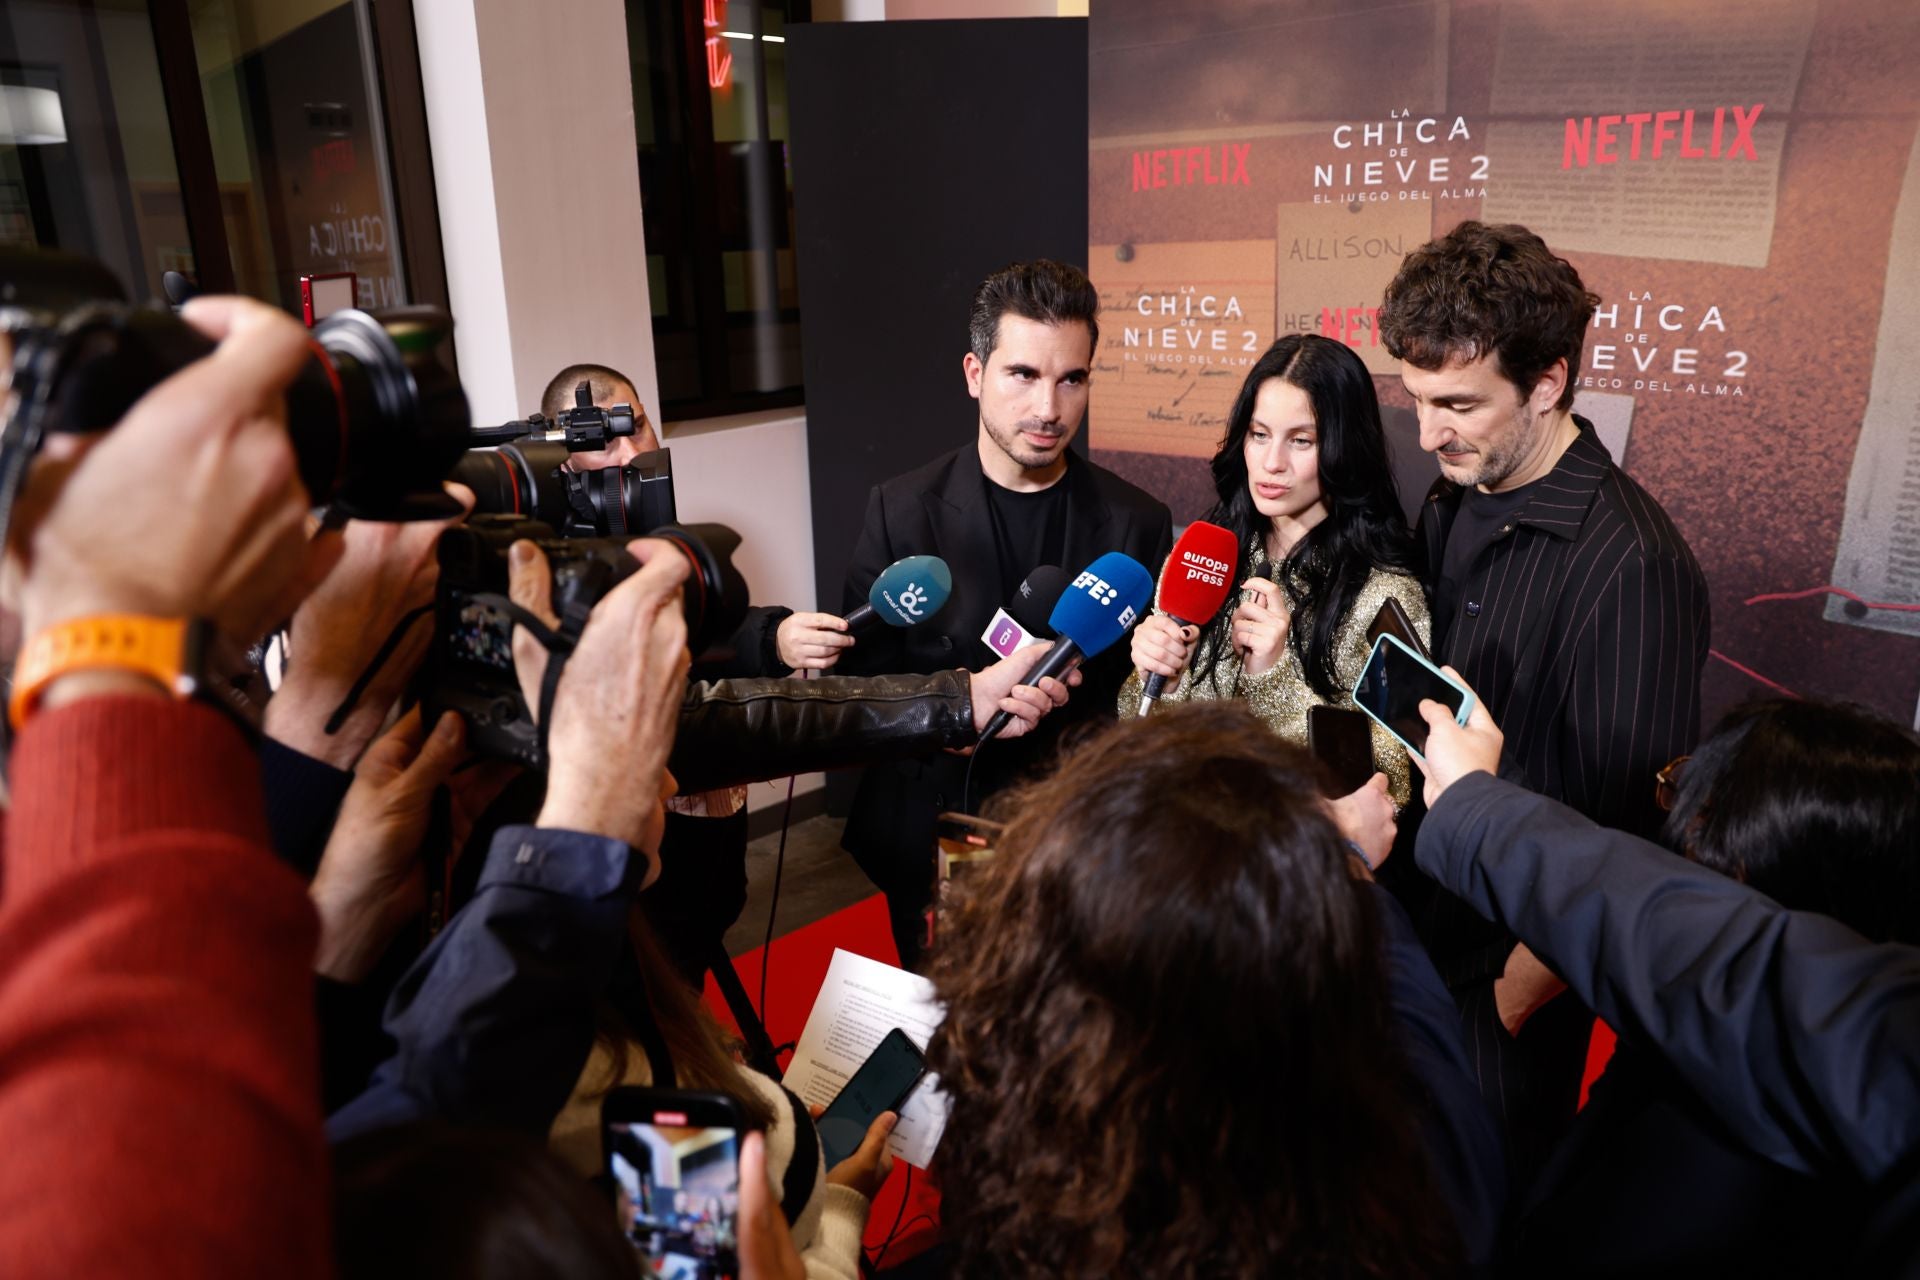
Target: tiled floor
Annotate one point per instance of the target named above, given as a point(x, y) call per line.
point(819, 879)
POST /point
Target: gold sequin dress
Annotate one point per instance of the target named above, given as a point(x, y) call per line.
point(1281, 695)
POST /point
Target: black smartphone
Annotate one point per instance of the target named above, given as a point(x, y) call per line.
point(674, 1158)
point(1396, 680)
point(881, 1084)
point(1392, 620)
point(1342, 740)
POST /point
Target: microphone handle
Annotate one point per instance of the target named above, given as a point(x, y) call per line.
point(861, 619)
point(1062, 658)
point(1156, 683)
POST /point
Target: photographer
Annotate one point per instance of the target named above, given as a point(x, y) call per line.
point(157, 1102)
point(496, 1021)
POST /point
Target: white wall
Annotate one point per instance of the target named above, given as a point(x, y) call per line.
point(535, 166)
point(531, 116)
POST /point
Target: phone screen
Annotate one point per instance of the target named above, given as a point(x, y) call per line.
point(1394, 684)
point(678, 1190)
point(881, 1084)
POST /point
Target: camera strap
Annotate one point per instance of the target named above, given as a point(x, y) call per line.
point(558, 641)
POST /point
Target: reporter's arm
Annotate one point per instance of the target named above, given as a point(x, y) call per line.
point(1803, 1037)
point(496, 1018)
point(159, 1109)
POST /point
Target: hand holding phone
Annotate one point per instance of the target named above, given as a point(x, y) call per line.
point(1456, 749)
point(1394, 683)
point(881, 1084)
point(674, 1157)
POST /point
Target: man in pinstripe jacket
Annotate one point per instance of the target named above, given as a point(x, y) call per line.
point(1565, 597)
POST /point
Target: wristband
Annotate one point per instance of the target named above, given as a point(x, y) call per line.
point(1360, 853)
point(169, 651)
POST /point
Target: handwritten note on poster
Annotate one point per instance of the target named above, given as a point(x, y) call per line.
point(1332, 263)
point(1879, 554)
point(1179, 326)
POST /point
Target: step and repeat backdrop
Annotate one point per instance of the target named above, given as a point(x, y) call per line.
point(1739, 180)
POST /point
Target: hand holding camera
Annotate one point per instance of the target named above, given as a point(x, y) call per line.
point(226, 541)
point(618, 697)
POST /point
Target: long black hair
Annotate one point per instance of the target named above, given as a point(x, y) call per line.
point(1815, 804)
point(1364, 529)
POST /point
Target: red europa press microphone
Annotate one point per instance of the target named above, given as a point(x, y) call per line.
point(1194, 584)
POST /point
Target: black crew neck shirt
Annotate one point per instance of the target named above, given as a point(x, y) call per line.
point(1029, 530)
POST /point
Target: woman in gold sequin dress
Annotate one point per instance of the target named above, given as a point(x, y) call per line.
point(1303, 481)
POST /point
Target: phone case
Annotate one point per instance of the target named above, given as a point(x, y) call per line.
point(1392, 620)
point(1466, 694)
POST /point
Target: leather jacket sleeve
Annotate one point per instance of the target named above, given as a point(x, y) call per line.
point(736, 731)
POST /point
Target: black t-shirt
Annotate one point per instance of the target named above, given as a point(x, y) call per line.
point(1477, 523)
point(1029, 530)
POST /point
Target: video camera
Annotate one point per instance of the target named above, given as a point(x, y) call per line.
point(470, 669)
point(526, 475)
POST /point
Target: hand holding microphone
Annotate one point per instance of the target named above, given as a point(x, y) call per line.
point(1096, 609)
point(907, 592)
point(1193, 586)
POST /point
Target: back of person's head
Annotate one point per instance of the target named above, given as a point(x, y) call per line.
point(437, 1202)
point(1489, 290)
point(1043, 290)
point(1167, 1042)
point(604, 384)
point(1815, 804)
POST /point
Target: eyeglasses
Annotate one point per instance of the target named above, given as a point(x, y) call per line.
point(1666, 783)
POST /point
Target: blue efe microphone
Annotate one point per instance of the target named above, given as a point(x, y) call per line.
point(906, 593)
point(1095, 610)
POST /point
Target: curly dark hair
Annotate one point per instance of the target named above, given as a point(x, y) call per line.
point(1364, 529)
point(1167, 1039)
point(1481, 289)
point(1043, 290)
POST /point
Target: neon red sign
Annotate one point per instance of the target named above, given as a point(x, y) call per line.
point(719, 57)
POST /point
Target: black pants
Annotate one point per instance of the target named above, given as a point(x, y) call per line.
point(1531, 1081)
point(701, 890)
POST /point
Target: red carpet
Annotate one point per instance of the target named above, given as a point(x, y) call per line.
point(795, 972)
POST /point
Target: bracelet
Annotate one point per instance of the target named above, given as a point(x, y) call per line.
point(1359, 853)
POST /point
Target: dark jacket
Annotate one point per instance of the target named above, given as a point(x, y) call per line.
point(1584, 630)
point(1799, 1036)
point(941, 510)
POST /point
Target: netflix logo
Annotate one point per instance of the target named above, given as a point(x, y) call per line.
point(1221, 166)
point(1594, 140)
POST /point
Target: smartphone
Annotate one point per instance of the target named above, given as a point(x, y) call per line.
point(1392, 620)
point(1394, 683)
point(881, 1084)
point(674, 1158)
point(1342, 740)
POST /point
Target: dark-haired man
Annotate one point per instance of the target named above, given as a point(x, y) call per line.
point(1011, 500)
point(1561, 592)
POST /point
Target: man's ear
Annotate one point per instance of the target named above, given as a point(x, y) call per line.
point(975, 373)
point(1546, 392)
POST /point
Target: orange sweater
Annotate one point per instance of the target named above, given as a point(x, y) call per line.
point(159, 1109)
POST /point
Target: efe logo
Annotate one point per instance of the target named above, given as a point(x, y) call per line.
point(1097, 587)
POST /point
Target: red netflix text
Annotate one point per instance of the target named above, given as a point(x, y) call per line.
point(1221, 166)
point(1600, 139)
point(1355, 326)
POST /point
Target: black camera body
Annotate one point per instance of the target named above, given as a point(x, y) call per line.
point(470, 667)
point(529, 478)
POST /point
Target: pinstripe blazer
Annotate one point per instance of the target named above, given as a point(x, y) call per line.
point(1584, 626)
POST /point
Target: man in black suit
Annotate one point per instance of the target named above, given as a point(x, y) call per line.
point(1561, 592)
point(1014, 499)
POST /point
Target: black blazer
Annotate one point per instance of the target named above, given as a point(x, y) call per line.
point(941, 509)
